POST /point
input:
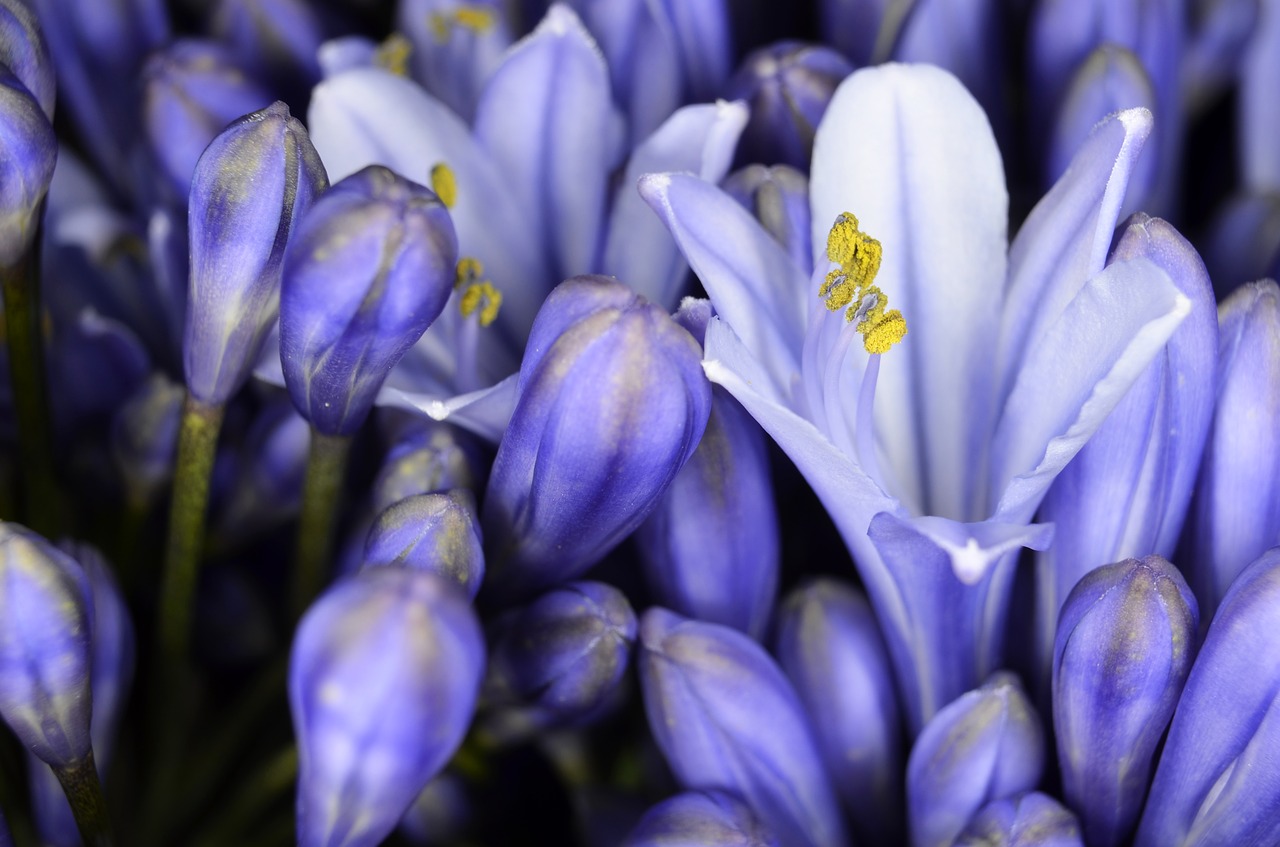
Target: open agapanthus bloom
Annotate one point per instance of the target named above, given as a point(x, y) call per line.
point(999, 361)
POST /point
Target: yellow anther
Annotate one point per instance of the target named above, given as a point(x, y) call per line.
point(444, 184)
point(469, 270)
point(393, 54)
point(849, 286)
point(482, 296)
point(473, 16)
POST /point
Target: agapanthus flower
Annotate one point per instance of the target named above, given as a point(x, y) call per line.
point(1012, 355)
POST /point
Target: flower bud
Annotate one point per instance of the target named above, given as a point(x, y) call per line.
point(778, 197)
point(1236, 513)
point(564, 654)
point(45, 647)
point(430, 532)
point(710, 548)
point(426, 458)
point(701, 819)
point(1030, 820)
point(371, 267)
point(251, 187)
point(829, 644)
point(985, 745)
point(24, 52)
point(1242, 243)
point(1126, 639)
point(787, 85)
point(277, 40)
point(1218, 780)
point(28, 151)
point(267, 488)
point(611, 403)
point(191, 91)
point(383, 678)
point(144, 438)
point(726, 718)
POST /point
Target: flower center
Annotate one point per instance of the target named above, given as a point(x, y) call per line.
point(850, 286)
point(477, 295)
point(473, 16)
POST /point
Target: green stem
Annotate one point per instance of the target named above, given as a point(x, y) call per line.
point(22, 317)
point(84, 793)
point(197, 442)
point(326, 468)
point(254, 797)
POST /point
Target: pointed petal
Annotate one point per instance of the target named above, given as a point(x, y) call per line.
point(638, 250)
point(484, 412)
point(755, 286)
point(1065, 239)
point(909, 152)
point(1074, 375)
point(547, 118)
point(369, 116)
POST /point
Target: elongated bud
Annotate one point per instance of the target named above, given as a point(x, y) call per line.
point(701, 819)
point(191, 90)
point(1029, 820)
point(985, 745)
point(383, 678)
point(24, 52)
point(726, 717)
point(277, 40)
point(371, 268)
point(779, 199)
point(144, 438)
point(1126, 639)
point(563, 655)
point(787, 85)
point(1236, 514)
point(830, 646)
point(439, 533)
point(28, 152)
point(45, 647)
point(1218, 780)
point(426, 458)
point(250, 189)
point(612, 403)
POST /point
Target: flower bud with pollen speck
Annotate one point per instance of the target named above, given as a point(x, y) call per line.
point(28, 152)
point(430, 532)
point(701, 819)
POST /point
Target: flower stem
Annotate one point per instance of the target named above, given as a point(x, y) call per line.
point(197, 441)
point(22, 318)
point(326, 468)
point(84, 793)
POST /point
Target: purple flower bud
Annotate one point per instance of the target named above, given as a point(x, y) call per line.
point(144, 438)
point(251, 187)
point(726, 718)
point(1218, 39)
point(28, 151)
point(779, 199)
point(830, 646)
point(787, 86)
point(268, 486)
point(277, 40)
point(985, 745)
point(1218, 781)
point(383, 678)
point(191, 91)
point(426, 458)
point(24, 52)
point(97, 363)
point(612, 402)
point(430, 532)
point(1236, 514)
point(371, 267)
point(1126, 639)
point(1030, 820)
point(45, 650)
point(701, 819)
point(1243, 241)
point(564, 654)
point(710, 548)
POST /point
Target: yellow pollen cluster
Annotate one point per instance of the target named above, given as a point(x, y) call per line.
point(444, 184)
point(393, 54)
point(473, 16)
point(850, 286)
point(477, 293)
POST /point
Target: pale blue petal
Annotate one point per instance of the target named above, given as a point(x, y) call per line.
point(1074, 375)
point(370, 116)
point(638, 250)
point(909, 152)
point(755, 286)
point(454, 67)
point(1065, 239)
point(484, 412)
point(546, 116)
